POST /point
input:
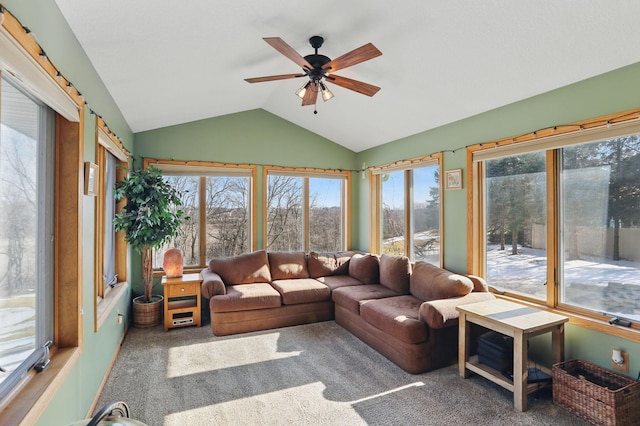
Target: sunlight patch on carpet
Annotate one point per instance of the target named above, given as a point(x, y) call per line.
point(296, 405)
point(224, 354)
point(385, 393)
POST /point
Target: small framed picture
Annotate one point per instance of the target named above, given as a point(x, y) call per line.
point(90, 179)
point(453, 179)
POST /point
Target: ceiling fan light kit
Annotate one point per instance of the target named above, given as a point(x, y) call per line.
point(317, 67)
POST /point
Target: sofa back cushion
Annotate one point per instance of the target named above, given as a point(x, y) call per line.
point(365, 268)
point(326, 264)
point(243, 269)
point(395, 272)
point(288, 265)
point(428, 282)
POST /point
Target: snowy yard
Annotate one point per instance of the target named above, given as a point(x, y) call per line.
point(587, 281)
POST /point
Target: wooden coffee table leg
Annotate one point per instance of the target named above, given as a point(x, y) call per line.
point(464, 334)
point(557, 344)
point(520, 372)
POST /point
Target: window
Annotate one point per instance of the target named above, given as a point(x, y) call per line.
point(56, 250)
point(599, 203)
point(306, 211)
point(111, 249)
point(558, 219)
point(515, 201)
point(407, 213)
point(26, 228)
point(218, 200)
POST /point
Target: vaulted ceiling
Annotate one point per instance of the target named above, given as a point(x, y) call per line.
point(171, 62)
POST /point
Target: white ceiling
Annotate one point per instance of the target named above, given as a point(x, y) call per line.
point(169, 62)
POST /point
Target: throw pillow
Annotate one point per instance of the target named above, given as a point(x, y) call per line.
point(326, 264)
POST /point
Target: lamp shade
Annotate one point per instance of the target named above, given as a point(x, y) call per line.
point(172, 263)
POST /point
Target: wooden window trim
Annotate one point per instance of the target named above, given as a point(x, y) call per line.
point(306, 173)
point(475, 249)
point(158, 272)
point(27, 402)
point(106, 299)
point(375, 199)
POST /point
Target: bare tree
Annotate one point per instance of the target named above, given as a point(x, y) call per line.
point(284, 213)
point(18, 192)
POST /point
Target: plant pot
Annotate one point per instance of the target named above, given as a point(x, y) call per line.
point(145, 314)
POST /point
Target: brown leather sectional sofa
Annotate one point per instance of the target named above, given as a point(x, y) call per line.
point(406, 312)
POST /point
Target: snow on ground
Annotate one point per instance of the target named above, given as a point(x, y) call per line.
point(530, 264)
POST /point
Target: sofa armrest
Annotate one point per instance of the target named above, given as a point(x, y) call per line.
point(479, 283)
point(443, 313)
point(212, 284)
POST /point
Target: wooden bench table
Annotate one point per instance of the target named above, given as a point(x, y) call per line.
point(514, 320)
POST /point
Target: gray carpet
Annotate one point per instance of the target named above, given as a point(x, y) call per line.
point(316, 374)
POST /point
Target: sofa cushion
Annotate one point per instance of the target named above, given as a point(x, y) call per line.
point(246, 297)
point(443, 312)
point(301, 290)
point(395, 272)
point(352, 297)
point(397, 316)
point(286, 265)
point(365, 268)
point(428, 282)
point(337, 281)
point(243, 269)
point(325, 264)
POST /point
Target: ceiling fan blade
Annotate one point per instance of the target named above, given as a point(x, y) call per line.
point(361, 54)
point(355, 85)
point(310, 95)
point(273, 77)
point(288, 51)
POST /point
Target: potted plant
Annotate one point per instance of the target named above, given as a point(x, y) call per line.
point(149, 220)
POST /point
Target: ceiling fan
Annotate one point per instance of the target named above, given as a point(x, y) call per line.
point(317, 68)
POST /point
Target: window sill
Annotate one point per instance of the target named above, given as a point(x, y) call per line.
point(105, 306)
point(601, 326)
point(27, 403)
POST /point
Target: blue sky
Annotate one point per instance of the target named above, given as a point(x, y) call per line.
point(393, 187)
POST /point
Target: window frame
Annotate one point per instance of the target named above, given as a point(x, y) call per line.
point(30, 397)
point(43, 248)
point(205, 169)
point(306, 173)
point(375, 192)
point(551, 140)
point(107, 297)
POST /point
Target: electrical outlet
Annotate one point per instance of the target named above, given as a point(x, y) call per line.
point(624, 366)
point(118, 317)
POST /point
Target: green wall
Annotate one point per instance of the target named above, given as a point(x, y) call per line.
point(609, 93)
point(261, 138)
point(250, 137)
point(616, 91)
point(72, 401)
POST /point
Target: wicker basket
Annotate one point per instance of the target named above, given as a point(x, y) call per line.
point(597, 395)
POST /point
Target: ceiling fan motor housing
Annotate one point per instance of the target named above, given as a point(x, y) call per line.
point(315, 60)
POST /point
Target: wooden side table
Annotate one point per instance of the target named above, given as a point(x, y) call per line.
point(519, 322)
point(182, 301)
